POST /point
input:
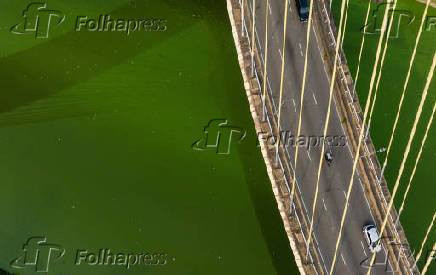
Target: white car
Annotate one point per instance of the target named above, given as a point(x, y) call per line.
point(371, 236)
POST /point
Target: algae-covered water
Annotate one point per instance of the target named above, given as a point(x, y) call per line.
point(96, 131)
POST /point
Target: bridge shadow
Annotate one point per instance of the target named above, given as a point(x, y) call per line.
point(62, 62)
point(72, 58)
point(265, 205)
point(234, 104)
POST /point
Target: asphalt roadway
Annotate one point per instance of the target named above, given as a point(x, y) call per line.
point(353, 254)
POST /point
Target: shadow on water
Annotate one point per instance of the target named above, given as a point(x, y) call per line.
point(266, 208)
point(74, 57)
point(4, 272)
point(48, 68)
point(233, 101)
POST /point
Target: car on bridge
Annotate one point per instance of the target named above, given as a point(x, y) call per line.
point(371, 236)
point(303, 10)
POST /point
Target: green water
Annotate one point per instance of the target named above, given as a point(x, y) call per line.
point(95, 138)
point(420, 205)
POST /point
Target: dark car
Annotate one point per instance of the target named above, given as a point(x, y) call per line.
point(303, 10)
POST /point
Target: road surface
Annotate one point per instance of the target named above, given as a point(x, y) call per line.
point(334, 179)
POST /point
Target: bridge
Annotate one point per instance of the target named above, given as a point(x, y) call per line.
point(305, 89)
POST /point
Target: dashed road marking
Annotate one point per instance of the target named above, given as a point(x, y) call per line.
point(308, 154)
point(269, 7)
point(323, 203)
point(295, 106)
point(295, 111)
point(280, 52)
point(314, 99)
point(345, 194)
point(301, 51)
point(342, 256)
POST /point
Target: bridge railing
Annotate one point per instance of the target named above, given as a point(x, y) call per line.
point(370, 166)
point(295, 210)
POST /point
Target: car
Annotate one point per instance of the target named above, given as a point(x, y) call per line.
point(372, 237)
point(328, 157)
point(303, 10)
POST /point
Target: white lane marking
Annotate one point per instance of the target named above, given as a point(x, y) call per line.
point(345, 194)
point(363, 248)
point(307, 215)
point(295, 106)
point(301, 51)
point(328, 79)
point(269, 7)
point(343, 130)
point(298, 186)
point(316, 102)
point(342, 256)
point(280, 52)
point(308, 154)
point(323, 203)
point(348, 146)
point(269, 84)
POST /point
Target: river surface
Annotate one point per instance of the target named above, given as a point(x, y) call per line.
point(96, 135)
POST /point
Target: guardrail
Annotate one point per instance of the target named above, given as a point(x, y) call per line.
point(368, 163)
point(293, 211)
